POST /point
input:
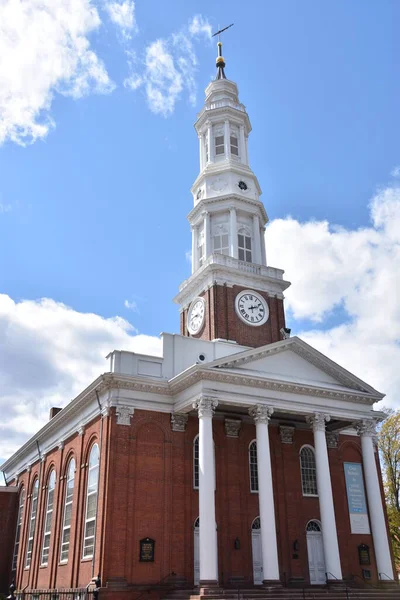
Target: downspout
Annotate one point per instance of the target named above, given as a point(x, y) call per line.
point(98, 482)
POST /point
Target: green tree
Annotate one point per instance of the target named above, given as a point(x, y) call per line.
point(389, 449)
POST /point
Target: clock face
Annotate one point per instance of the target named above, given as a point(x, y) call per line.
point(251, 308)
point(196, 316)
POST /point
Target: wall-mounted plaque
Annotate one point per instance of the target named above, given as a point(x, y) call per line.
point(363, 554)
point(147, 550)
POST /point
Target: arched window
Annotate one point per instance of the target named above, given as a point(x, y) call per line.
point(256, 524)
point(32, 523)
point(308, 471)
point(253, 466)
point(221, 243)
point(313, 527)
point(18, 531)
point(196, 463)
point(69, 494)
point(219, 141)
point(48, 519)
point(91, 502)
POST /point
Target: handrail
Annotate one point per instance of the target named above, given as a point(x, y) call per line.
point(154, 585)
point(389, 578)
point(337, 579)
point(365, 581)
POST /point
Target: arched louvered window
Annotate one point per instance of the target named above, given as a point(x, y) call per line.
point(18, 531)
point(32, 523)
point(91, 502)
point(69, 495)
point(253, 466)
point(308, 471)
point(48, 518)
point(196, 463)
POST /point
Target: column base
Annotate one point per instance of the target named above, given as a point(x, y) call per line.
point(208, 587)
point(272, 583)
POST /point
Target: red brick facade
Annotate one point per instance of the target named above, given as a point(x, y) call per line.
point(8, 519)
point(146, 490)
point(222, 322)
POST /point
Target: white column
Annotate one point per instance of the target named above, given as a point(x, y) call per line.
point(227, 139)
point(261, 415)
point(202, 161)
point(210, 142)
point(247, 150)
point(233, 232)
point(207, 235)
point(366, 430)
point(242, 147)
point(195, 243)
point(263, 250)
point(208, 531)
point(257, 240)
point(324, 486)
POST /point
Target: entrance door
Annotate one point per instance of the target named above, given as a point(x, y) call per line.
point(315, 549)
point(196, 546)
point(257, 551)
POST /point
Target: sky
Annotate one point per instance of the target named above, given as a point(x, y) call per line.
point(98, 154)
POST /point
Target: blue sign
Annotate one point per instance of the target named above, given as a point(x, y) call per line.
point(356, 498)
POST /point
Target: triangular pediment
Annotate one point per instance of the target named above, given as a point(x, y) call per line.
point(294, 361)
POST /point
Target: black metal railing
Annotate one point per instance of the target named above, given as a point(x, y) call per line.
point(69, 594)
point(341, 581)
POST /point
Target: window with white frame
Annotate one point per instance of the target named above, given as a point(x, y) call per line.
point(234, 144)
point(308, 471)
point(200, 249)
point(18, 531)
point(219, 143)
point(221, 243)
point(32, 523)
point(91, 502)
point(196, 463)
point(69, 495)
point(48, 519)
point(253, 466)
point(244, 247)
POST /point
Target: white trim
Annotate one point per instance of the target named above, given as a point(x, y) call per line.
point(301, 472)
point(48, 516)
point(194, 458)
point(93, 493)
point(67, 502)
point(248, 452)
point(32, 523)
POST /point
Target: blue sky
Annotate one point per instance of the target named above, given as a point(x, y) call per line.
point(93, 213)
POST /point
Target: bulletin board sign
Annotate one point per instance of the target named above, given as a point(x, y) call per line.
point(147, 546)
point(359, 521)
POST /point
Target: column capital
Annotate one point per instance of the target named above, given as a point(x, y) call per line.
point(366, 427)
point(178, 421)
point(261, 413)
point(318, 420)
point(205, 406)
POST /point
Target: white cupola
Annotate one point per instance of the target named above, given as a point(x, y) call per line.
point(228, 217)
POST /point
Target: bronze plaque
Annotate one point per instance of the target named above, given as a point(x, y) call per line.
point(147, 550)
point(363, 554)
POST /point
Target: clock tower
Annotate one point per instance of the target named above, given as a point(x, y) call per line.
point(232, 293)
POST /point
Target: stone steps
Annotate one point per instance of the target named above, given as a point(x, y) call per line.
point(310, 593)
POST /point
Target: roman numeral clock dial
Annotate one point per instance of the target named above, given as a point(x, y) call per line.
point(251, 308)
point(196, 316)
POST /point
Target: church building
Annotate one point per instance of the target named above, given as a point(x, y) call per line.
point(240, 458)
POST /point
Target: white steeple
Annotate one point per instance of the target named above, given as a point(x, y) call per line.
point(228, 217)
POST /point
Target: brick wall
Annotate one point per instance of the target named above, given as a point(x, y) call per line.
point(8, 523)
point(146, 490)
point(221, 320)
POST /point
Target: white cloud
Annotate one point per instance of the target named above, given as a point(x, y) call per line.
point(122, 14)
point(131, 305)
point(395, 171)
point(48, 354)
point(4, 208)
point(45, 49)
point(169, 66)
point(356, 270)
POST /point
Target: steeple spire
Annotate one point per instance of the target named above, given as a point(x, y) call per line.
point(220, 62)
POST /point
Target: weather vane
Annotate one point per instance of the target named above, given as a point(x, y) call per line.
point(218, 33)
